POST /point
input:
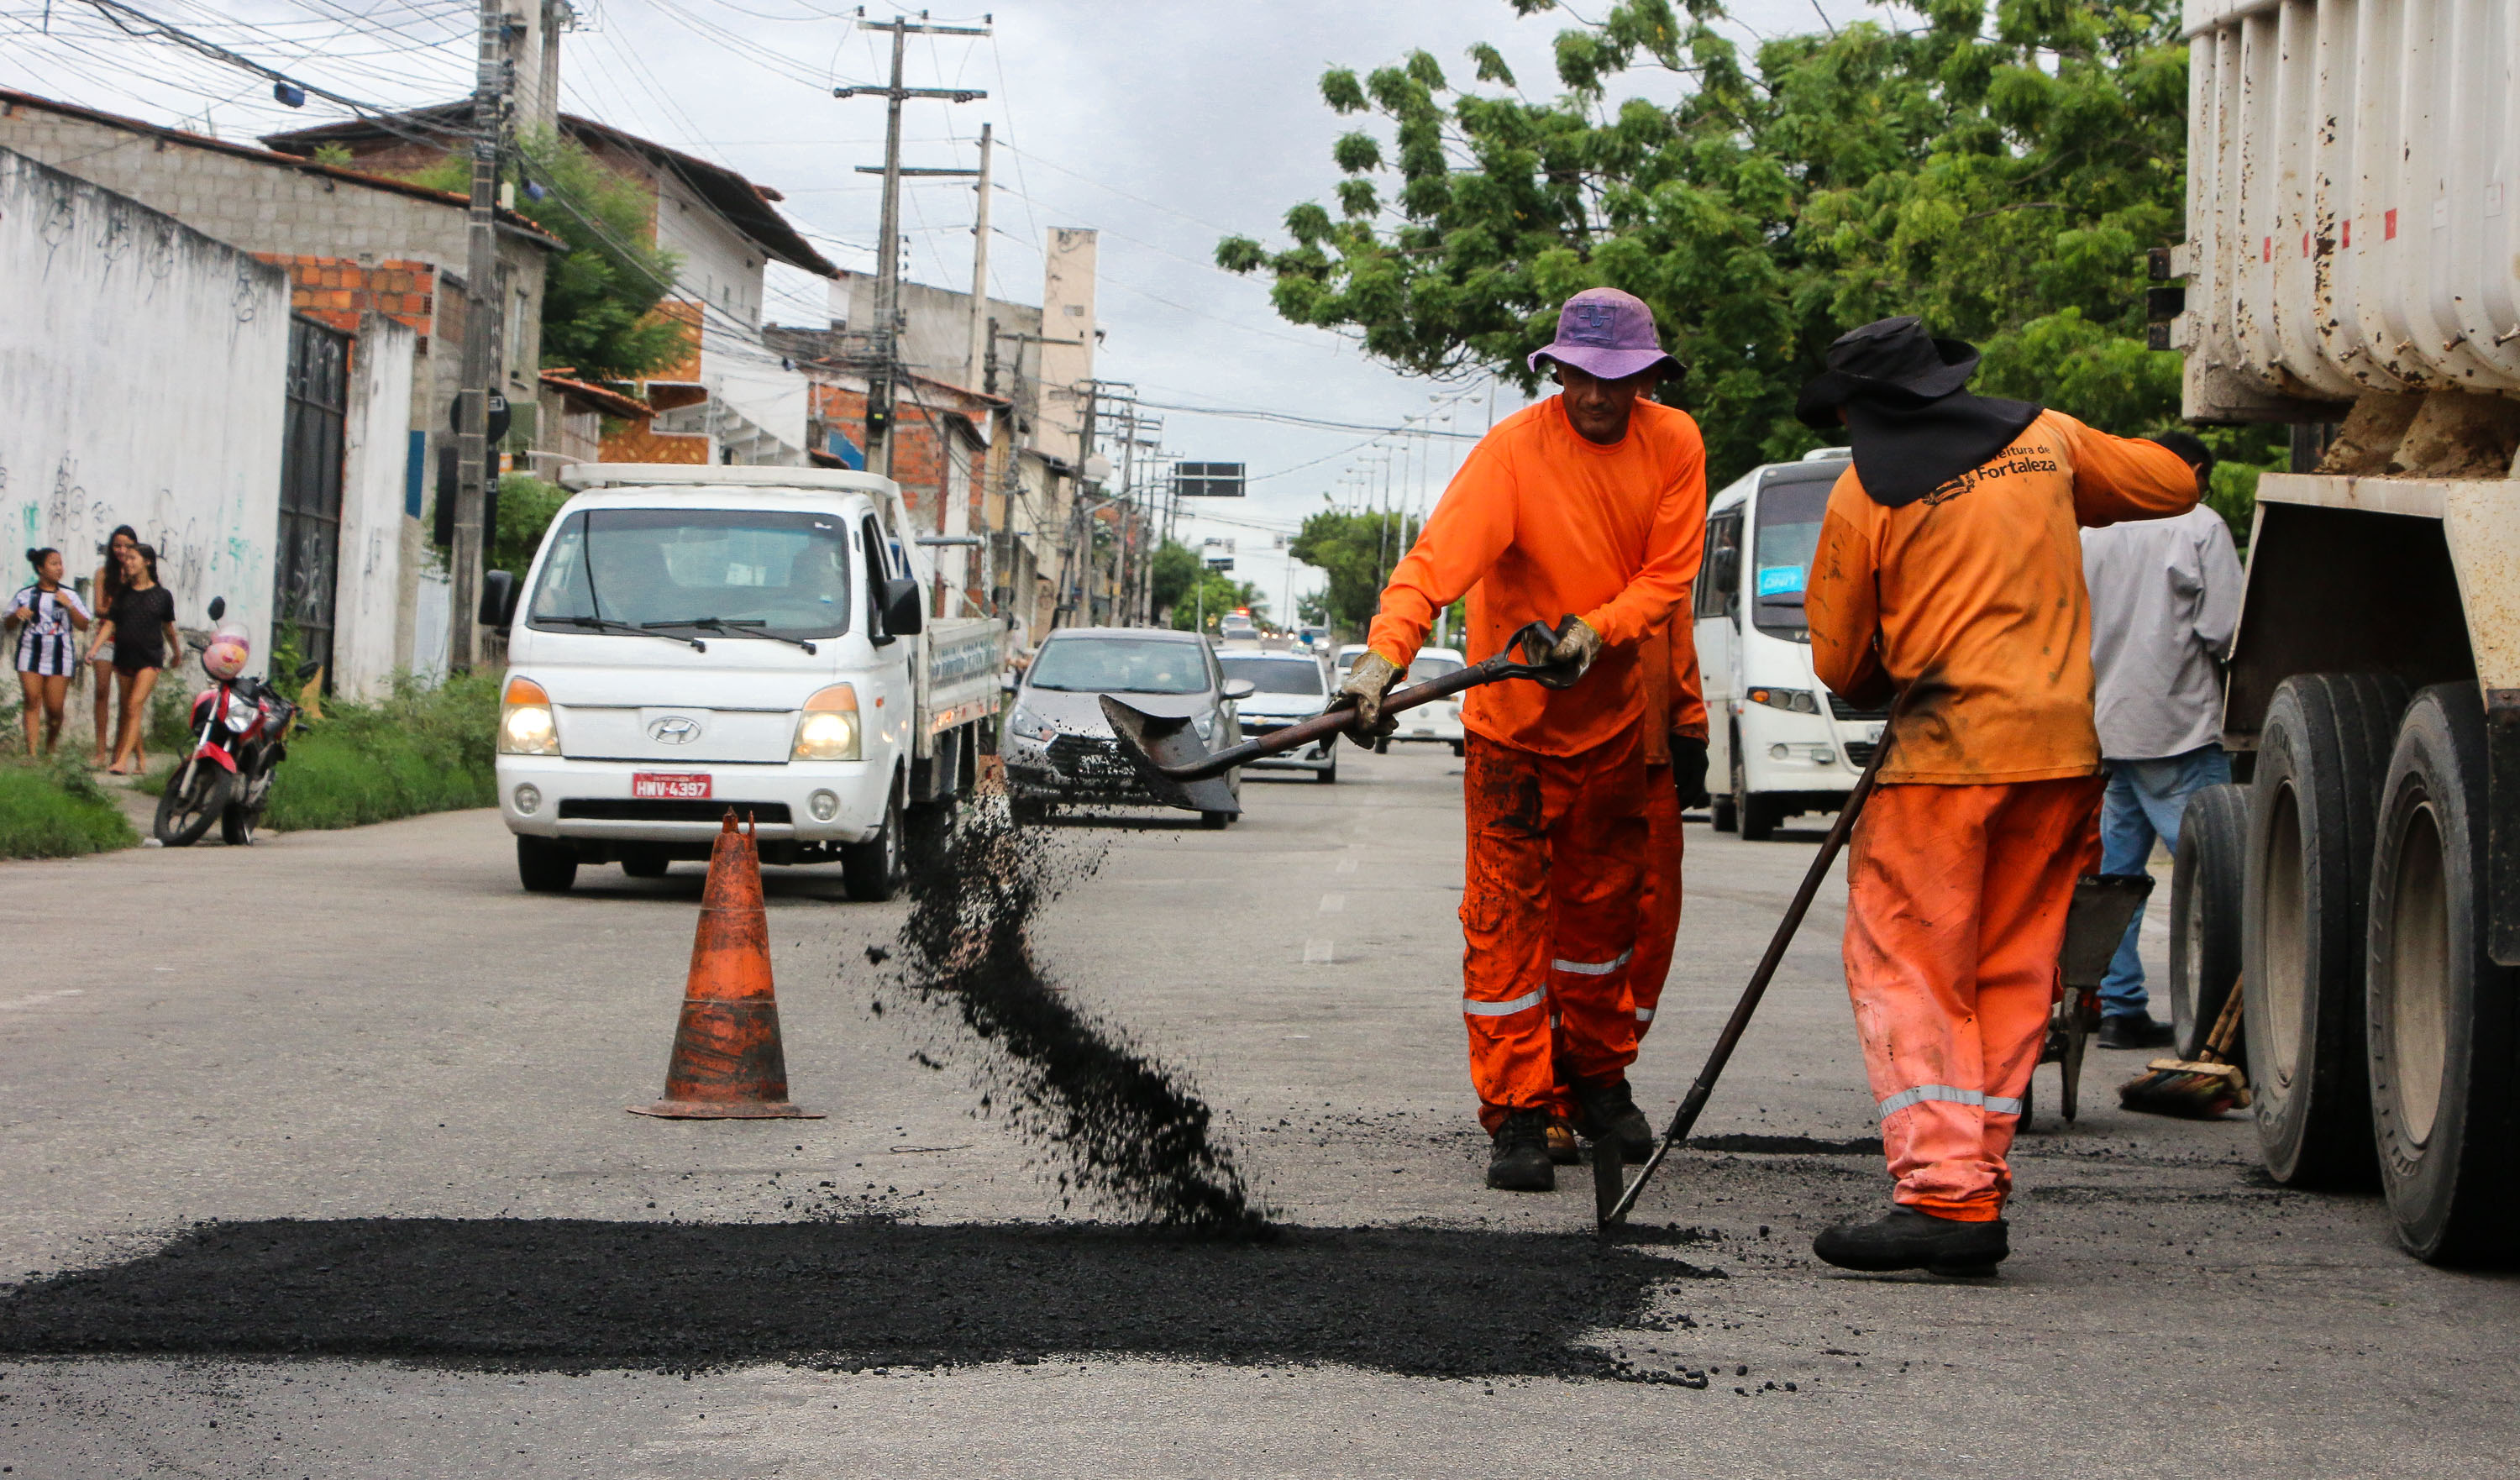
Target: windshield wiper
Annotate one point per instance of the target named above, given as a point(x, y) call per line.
point(745, 626)
point(607, 624)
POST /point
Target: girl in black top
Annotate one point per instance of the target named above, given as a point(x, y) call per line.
point(106, 586)
point(141, 626)
point(45, 615)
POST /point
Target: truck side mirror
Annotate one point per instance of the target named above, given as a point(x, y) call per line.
point(902, 611)
point(498, 599)
point(218, 607)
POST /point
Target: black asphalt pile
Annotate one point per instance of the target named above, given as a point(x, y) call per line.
point(577, 1294)
point(1131, 1134)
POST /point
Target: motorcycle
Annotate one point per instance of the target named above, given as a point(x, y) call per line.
point(241, 726)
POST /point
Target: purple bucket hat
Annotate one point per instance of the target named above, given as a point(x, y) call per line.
point(1607, 334)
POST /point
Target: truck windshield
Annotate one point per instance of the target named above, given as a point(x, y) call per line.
point(1120, 665)
point(1788, 527)
point(1277, 675)
point(779, 572)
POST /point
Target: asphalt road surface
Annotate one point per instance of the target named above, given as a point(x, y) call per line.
point(318, 1166)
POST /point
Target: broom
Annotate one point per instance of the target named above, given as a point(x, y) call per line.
point(2200, 1087)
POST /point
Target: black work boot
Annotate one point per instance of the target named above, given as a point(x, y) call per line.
point(1520, 1161)
point(2135, 1030)
point(1908, 1238)
point(1608, 1112)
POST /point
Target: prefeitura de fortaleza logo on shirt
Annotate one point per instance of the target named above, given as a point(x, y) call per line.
point(2015, 458)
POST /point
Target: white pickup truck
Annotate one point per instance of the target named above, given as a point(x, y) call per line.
point(698, 638)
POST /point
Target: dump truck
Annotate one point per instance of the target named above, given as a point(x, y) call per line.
point(2352, 268)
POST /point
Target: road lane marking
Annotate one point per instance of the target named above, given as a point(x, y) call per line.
point(39, 998)
point(1317, 952)
point(1333, 903)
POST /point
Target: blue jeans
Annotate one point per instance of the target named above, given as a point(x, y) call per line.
point(2142, 802)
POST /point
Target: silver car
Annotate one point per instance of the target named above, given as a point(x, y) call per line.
point(1286, 686)
point(1060, 750)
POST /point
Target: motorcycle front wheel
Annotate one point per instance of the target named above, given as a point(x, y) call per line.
point(195, 795)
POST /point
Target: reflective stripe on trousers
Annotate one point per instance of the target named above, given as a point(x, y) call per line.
point(1993, 1104)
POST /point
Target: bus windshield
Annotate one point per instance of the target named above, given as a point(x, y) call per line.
point(1781, 554)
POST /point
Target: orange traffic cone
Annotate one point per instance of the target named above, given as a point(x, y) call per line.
point(726, 1064)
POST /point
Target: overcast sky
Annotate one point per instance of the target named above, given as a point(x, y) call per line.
point(1162, 125)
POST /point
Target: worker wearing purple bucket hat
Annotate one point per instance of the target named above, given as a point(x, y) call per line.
point(1592, 503)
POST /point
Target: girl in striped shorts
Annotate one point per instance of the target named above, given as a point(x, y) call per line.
point(44, 615)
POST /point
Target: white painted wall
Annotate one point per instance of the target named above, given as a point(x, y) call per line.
point(717, 259)
point(141, 371)
point(376, 442)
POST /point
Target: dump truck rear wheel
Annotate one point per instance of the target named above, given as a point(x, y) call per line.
point(2444, 1109)
point(2321, 754)
point(2205, 888)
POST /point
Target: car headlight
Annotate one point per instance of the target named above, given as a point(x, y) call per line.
point(525, 725)
point(828, 728)
point(1205, 724)
point(1029, 725)
point(1794, 700)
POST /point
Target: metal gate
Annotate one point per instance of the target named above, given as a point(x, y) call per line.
point(310, 488)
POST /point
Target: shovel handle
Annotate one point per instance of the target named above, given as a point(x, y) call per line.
point(1685, 1118)
point(1534, 639)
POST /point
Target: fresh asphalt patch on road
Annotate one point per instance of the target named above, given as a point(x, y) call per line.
point(577, 1294)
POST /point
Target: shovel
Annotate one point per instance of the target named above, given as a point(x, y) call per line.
point(1182, 772)
point(1610, 1201)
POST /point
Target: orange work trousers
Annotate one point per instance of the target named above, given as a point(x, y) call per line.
point(1657, 897)
point(1548, 917)
point(1658, 919)
point(1955, 911)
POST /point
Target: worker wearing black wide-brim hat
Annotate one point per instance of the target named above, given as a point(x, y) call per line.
point(1950, 567)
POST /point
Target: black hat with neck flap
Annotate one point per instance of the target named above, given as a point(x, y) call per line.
point(1912, 426)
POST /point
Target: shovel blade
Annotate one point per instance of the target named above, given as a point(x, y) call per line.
point(1154, 742)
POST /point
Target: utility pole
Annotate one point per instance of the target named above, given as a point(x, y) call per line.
point(472, 452)
point(887, 282)
point(972, 376)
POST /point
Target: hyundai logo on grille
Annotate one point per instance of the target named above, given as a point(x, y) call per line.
point(674, 730)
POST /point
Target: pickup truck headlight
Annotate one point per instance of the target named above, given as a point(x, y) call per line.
point(828, 728)
point(1794, 700)
point(1029, 725)
point(525, 726)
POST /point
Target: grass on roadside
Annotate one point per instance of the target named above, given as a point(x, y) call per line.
point(57, 810)
point(420, 750)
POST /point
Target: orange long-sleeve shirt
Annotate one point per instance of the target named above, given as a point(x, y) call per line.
point(1541, 522)
point(1674, 693)
point(1973, 597)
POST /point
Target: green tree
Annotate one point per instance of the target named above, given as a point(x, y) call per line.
point(1189, 591)
point(1998, 174)
point(599, 295)
point(1355, 552)
point(526, 504)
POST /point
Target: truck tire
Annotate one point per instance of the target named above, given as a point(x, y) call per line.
point(1328, 775)
point(545, 865)
point(2322, 752)
point(930, 833)
point(872, 870)
point(2205, 885)
point(638, 863)
point(2443, 1108)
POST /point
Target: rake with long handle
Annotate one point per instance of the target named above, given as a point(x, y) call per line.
point(1610, 1201)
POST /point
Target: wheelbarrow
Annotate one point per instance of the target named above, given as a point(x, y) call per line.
point(2095, 923)
point(1184, 772)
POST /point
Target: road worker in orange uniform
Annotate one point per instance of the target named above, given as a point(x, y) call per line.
point(1675, 735)
point(1592, 503)
point(1948, 568)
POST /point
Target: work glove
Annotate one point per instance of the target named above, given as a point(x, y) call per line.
point(1688, 768)
point(1363, 691)
point(1575, 647)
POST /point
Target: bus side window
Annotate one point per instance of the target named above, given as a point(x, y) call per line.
point(1722, 566)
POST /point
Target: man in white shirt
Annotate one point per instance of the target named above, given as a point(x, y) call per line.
point(2165, 602)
